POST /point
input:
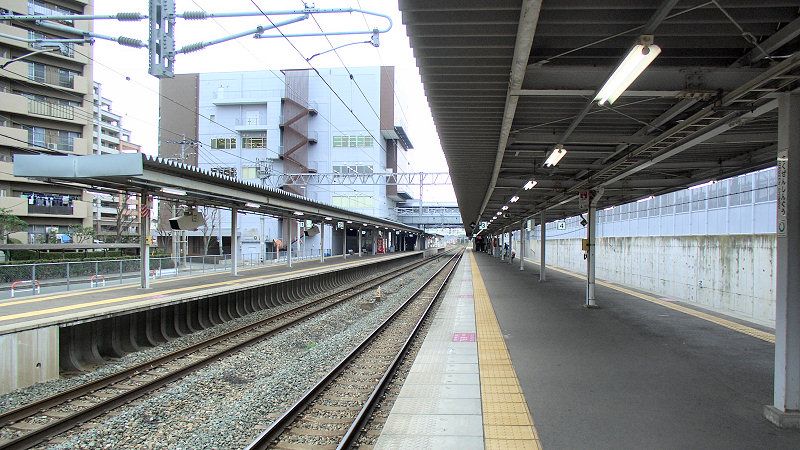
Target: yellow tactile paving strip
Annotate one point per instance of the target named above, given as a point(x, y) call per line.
point(744, 329)
point(507, 422)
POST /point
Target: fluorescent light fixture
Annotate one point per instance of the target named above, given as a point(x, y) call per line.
point(610, 208)
point(708, 183)
point(529, 185)
point(645, 199)
point(638, 58)
point(329, 218)
point(505, 207)
point(349, 221)
point(172, 191)
point(252, 205)
point(365, 225)
point(555, 156)
point(514, 199)
point(298, 213)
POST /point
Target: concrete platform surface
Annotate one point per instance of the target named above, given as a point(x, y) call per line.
point(76, 306)
point(632, 373)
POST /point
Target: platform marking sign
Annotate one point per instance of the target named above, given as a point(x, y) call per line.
point(782, 188)
point(463, 337)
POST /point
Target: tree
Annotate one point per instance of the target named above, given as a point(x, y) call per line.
point(125, 216)
point(9, 223)
point(80, 234)
point(211, 215)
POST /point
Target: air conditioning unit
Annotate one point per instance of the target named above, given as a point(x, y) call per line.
point(52, 146)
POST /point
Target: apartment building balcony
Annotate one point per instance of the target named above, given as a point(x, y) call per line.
point(20, 72)
point(13, 137)
point(51, 110)
point(50, 210)
point(250, 125)
point(13, 103)
point(19, 207)
point(17, 32)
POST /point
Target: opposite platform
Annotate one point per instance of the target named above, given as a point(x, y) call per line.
point(76, 306)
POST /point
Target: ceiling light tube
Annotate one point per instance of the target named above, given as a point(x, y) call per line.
point(173, 191)
point(645, 199)
point(529, 185)
point(514, 199)
point(505, 207)
point(252, 205)
point(298, 213)
point(555, 156)
point(329, 218)
point(637, 59)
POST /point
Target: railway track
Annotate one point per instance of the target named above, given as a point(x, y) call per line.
point(333, 412)
point(40, 421)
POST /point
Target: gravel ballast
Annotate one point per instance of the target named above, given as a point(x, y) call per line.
point(229, 402)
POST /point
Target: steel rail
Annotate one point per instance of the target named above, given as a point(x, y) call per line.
point(282, 423)
point(63, 424)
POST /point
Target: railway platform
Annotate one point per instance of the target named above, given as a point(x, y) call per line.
point(535, 368)
point(43, 335)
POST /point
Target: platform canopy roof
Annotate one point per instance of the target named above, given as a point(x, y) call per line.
point(509, 80)
point(188, 185)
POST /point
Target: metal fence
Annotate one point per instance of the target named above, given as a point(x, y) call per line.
point(17, 280)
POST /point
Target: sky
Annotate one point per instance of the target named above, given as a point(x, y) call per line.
point(134, 93)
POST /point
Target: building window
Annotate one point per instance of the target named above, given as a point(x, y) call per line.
point(249, 173)
point(255, 141)
point(352, 141)
point(51, 139)
point(223, 143)
point(44, 8)
point(353, 169)
point(58, 76)
point(224, 171)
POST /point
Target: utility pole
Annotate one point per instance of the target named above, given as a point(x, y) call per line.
point(180, 239)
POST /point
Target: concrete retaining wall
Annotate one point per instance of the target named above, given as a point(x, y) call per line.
point(730, 274)
point(28, 357)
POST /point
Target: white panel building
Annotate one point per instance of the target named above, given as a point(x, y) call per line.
point(254, 125)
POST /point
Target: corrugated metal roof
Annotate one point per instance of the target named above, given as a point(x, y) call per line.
point(700, 85)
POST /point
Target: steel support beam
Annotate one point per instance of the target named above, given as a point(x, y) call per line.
point(526, 29)
point(542, 246)
point(522, 241)
point(591, 231)
point(234, 243)
point(144, 241)
point(344, 242)
point(785, 410)
point(289, 226)
point(772, 43)
point(322, 241)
